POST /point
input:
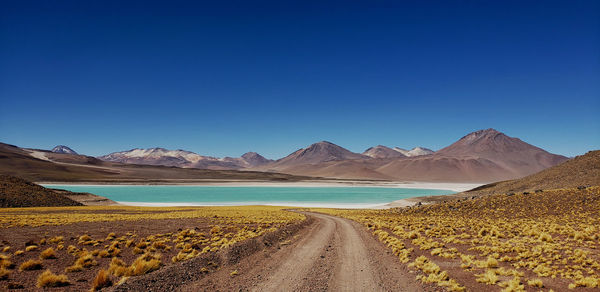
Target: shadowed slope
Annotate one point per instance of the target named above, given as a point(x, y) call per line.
point(17, 192)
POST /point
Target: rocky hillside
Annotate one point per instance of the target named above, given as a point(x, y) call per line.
point(581, 171)
point(17, 192)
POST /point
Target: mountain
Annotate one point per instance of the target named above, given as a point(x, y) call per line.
point(481, 156)
point(254, 159)
point(381, 151)
point(511, 153)
point(249, 159)
point(317, 153)
point(325, 159)
point(45, 166)
point(417, 151)
point(583, 170)
point(165, 157)
point(63, 150)
point(182, 158)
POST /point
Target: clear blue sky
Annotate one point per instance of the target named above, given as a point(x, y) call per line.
point(225, 77)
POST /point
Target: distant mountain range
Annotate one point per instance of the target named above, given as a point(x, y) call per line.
point(182, 158)
point(481, 156)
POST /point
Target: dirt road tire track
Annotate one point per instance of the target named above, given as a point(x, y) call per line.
point(332, 254)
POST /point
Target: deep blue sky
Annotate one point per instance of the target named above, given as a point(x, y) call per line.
point(272, 77)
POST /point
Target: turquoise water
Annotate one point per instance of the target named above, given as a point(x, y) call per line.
point(145, 195)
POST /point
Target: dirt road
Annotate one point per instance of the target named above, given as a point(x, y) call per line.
point(332, 254)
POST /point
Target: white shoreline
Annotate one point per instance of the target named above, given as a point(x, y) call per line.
point(280, 204)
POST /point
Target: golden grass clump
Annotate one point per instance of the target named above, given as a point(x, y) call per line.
point(6, 249)
point(536, 283)
point(31, 265)
point(31, 247)
point(102, 280)
point(19, 252)
point(145, 264)
point(5, 262)
point(49, 253)
point(49, 279)
point(489, 277)
point(104, 254)
point(4, 273)
point(86, 260)
point(118, 268)
point(56, 239)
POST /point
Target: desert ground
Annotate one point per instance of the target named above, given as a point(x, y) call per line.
point(518, 242)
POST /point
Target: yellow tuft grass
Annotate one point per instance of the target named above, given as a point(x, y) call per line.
point(56, 239)
point(145, 264)
point(118, 268)
point(31, 247)
point(49, 253)
point(4, 273)
point(49, 279)
point(489, 277)
point(31, 265)
point(86, 260)
point(536, 283)
point(5, 262)
point(102, 280)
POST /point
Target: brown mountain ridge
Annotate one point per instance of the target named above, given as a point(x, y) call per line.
point(482, 156)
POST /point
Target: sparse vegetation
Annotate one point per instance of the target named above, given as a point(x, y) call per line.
point(31, 265)
point(102, 280)
point(49, 279)
point(49, 253)
point(130, 254)
point(4, 273)
point(540, 239)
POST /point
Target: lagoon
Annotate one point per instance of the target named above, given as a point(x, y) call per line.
point(193, 195)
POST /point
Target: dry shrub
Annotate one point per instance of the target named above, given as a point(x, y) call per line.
point(31, 247)
point(104, 254)
point(48, 254)
point(118, 268)
point(5, 262)
point(145, 264)
point(56, 239)
point(489, 277)
point(86, 260)
point(84, 238)
point(49, 279)
point(4, 273)
point(102, 280)
point(536, 283)
point(31, 265)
